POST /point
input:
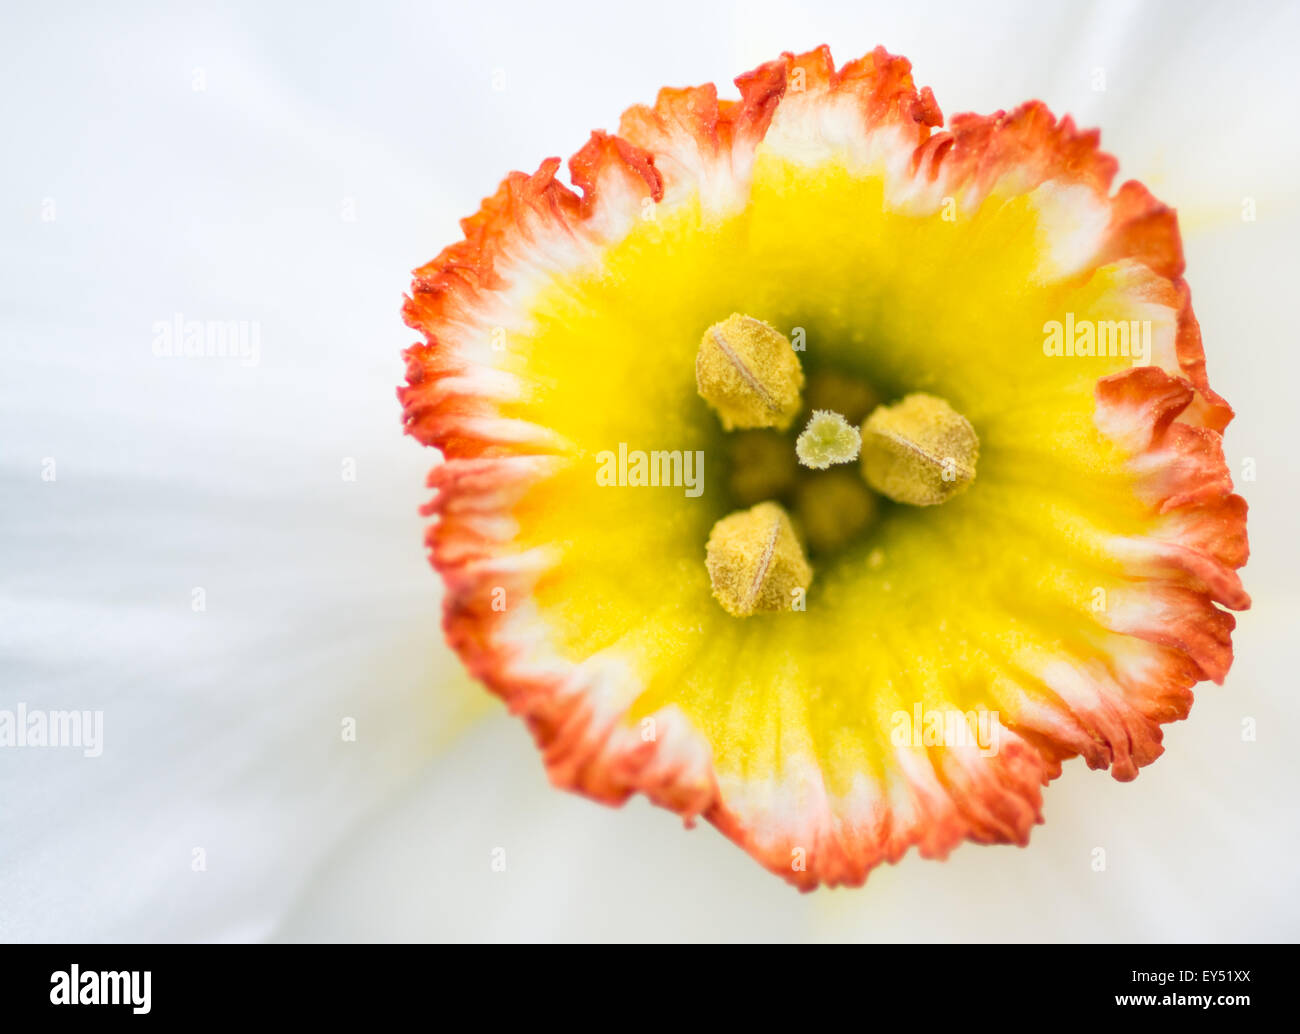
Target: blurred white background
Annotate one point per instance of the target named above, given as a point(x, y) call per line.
point(287, 165)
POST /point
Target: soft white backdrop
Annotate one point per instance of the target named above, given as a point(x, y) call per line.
point(288, 164)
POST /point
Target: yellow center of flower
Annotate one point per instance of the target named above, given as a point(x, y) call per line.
point(929, 605)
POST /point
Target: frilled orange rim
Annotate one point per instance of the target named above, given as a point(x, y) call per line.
point(563, 326)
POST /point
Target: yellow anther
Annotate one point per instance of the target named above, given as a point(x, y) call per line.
point(919, 451)
point(832, 508)
point(748, 372)
point(755, 562)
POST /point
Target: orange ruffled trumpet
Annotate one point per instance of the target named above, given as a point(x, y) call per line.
point(945, 659)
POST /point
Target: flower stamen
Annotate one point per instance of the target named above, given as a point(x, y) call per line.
point(749, 373)
point(833, 508)
point(919, 451)
point(755, 561)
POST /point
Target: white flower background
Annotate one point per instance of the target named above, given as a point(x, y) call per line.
point(288, 165)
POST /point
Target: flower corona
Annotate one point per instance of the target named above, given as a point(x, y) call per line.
point(823, 244)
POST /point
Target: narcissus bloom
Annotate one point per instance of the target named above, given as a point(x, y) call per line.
point(1044, 574)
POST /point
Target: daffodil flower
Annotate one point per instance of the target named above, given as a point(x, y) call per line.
point(1049, 535)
